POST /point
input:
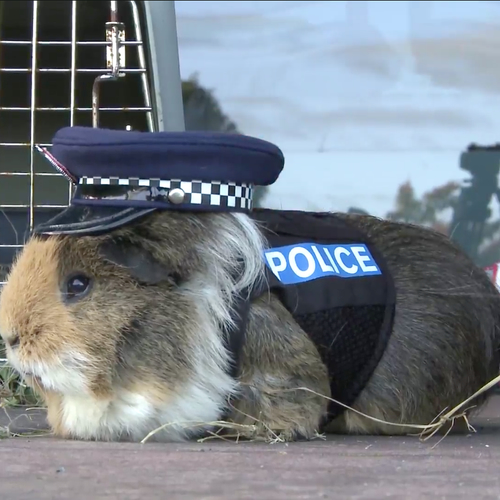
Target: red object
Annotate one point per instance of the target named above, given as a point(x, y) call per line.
point(57, 164)
point(494, 274)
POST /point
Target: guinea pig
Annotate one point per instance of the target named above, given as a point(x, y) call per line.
point(125, 332)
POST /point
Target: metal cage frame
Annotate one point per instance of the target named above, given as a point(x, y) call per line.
point(154, 37)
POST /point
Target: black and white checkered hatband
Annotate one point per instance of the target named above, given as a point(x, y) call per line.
point(216, 194)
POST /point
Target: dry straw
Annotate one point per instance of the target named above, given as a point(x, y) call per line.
point(426, 430)
point(259, 429)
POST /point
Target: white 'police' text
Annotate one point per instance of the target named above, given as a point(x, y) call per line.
point(307, 261)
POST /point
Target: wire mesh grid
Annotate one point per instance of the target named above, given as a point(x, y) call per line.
point(53, 55)
point(50, 56)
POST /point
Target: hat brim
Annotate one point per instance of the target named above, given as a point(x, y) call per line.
point(84, 220)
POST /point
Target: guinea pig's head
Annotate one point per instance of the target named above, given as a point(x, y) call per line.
point(141, 309)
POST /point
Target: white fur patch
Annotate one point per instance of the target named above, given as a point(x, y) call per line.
point(65, 376)
point(191, 412)
point(85, 417)
point(132, 416)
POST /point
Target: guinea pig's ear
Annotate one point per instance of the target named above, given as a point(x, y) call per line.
point(139, 262)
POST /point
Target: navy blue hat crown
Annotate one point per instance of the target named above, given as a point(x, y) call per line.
point(121, 175)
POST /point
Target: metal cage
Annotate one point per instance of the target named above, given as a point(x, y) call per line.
point(65, 63)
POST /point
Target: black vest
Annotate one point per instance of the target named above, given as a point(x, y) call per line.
point(347, 315)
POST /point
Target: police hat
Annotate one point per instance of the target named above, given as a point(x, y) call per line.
point(121, 175)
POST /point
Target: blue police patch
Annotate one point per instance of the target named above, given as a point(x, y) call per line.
point(309, 261)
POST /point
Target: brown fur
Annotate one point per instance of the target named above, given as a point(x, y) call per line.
point(36, 314)
point(445, 340)
point(278, 360)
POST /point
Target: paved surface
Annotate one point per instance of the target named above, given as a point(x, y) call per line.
point(460, 467)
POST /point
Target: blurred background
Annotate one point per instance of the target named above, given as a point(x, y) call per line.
point(361, 96)
point(375, 104)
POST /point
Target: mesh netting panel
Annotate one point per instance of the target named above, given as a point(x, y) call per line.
point(347, 339)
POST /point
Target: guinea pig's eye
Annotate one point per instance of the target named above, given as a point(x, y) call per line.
point(76, 286)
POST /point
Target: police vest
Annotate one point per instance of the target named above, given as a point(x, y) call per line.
point(337, 287)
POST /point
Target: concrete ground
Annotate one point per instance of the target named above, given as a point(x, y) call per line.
point(343, 467)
